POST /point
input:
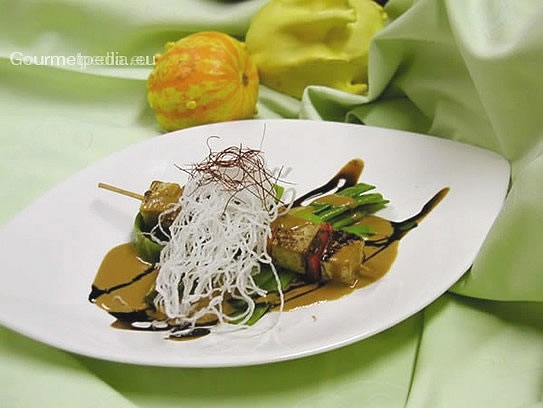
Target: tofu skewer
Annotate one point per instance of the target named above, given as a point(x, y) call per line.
point(315, 250)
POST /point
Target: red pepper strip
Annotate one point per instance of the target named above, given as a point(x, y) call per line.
point(315, 251)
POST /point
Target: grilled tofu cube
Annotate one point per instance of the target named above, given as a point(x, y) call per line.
point(316, 250)
point(343, 258)
point(159, 197)
point(291, 238)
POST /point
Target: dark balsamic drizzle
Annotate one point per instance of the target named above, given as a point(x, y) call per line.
point(176, 332)
point(348, 174)
point(182, 334)
point(142, 324)
point(131, 317)
point(97, 292)
point(401, 228)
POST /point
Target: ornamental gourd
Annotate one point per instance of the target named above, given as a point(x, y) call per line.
point(203, 78)
point(299, 43)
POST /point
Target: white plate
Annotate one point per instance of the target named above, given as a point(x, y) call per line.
point(50, 251)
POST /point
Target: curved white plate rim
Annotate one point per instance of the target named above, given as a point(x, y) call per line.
point(407, 168)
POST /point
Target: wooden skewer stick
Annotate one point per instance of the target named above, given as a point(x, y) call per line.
point(121, 191)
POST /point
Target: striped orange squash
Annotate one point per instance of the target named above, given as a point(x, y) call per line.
point(203, 78)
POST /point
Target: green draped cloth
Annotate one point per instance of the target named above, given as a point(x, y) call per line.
point(467, 70)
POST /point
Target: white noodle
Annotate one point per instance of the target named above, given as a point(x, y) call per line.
point(216, 245)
